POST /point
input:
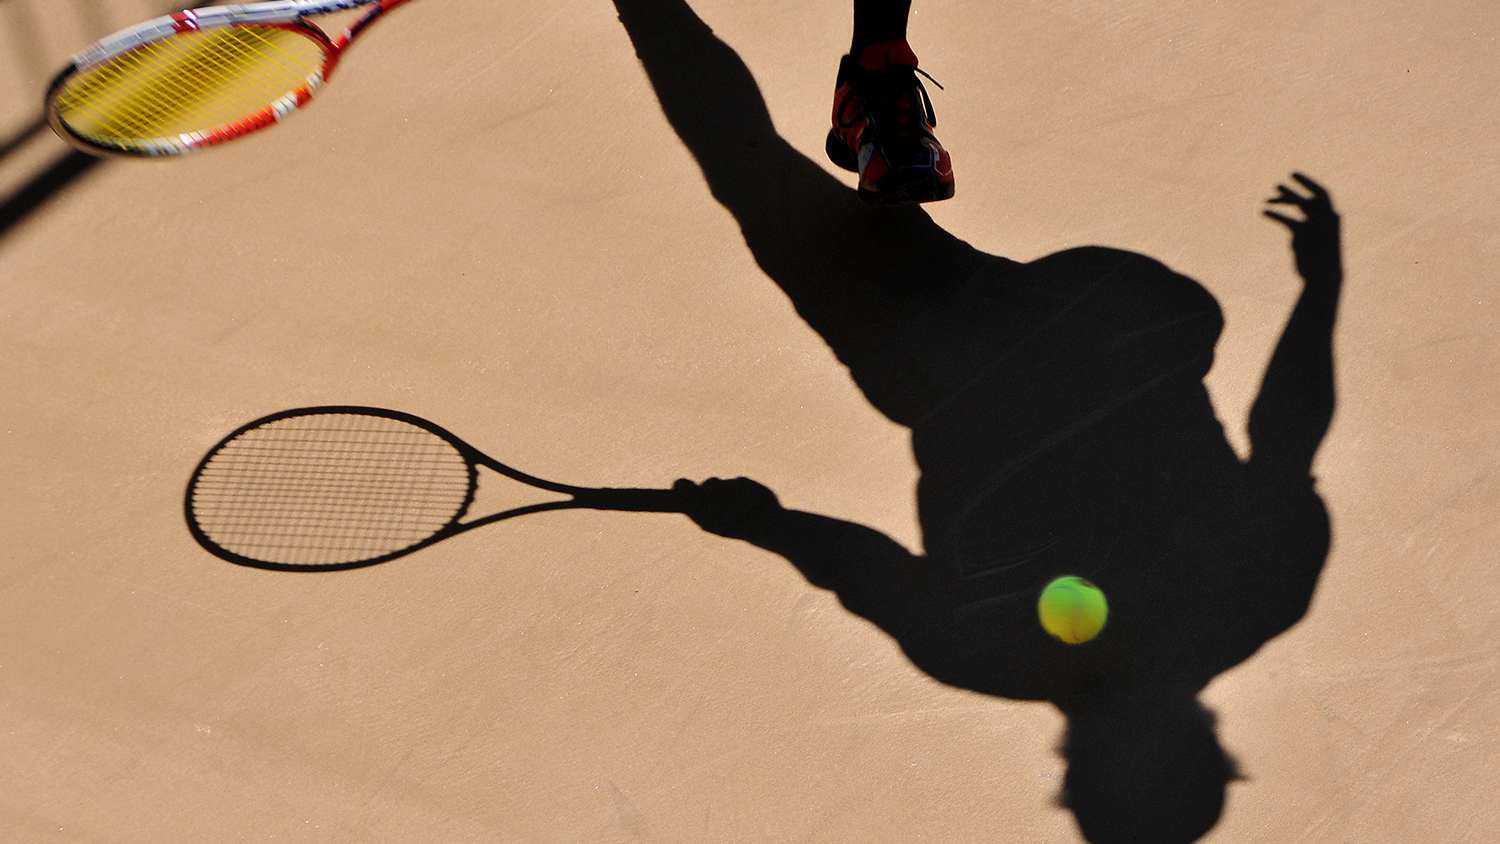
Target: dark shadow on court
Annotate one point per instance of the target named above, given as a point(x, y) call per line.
point(30, 53)
point(36, 62)
point(1061, 425)
point(34, 193)
point(63, 171)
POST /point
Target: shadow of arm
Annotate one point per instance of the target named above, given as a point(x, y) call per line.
point(873, 575)
point(1294, 409)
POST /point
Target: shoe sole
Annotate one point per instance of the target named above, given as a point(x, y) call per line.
point(896, 188)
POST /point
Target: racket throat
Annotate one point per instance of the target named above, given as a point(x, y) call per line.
point(495, 493)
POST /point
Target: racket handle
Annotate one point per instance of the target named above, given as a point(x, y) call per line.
point(631, 500)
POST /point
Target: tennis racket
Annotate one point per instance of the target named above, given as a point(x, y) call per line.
point(330, 488)
point(199, 77)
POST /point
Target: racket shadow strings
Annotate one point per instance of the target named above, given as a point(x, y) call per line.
point(330, 488)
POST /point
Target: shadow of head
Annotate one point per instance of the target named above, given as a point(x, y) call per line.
point(1145, 772)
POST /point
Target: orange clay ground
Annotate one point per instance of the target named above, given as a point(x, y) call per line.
point(485, 220)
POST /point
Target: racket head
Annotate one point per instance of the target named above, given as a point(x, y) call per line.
point(187, 88)
point(330, 488)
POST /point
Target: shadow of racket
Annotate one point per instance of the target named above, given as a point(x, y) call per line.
point(333, 488)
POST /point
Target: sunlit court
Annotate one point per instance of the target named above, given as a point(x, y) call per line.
point(670, 420)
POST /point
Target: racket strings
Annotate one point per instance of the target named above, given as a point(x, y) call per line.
point(328, 489)
point(233, 74)
point(126, 97)
point(193, 83)
point(183, 72)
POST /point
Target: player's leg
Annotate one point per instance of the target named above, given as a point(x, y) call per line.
point(876, 21)
point(883, 120)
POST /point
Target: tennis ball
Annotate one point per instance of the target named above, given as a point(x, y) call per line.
point(1072, 609)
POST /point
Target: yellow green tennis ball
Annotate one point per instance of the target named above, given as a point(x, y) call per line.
point(1072, 609)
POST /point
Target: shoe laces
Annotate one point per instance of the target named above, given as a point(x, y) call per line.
point(895, 96)
point(927, 100)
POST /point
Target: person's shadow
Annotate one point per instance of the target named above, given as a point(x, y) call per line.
point(1061, 425)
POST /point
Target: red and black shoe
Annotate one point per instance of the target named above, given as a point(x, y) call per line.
point(882, 128)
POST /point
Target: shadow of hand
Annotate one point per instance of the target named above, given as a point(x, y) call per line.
point(1315, 238)
point(727, 508)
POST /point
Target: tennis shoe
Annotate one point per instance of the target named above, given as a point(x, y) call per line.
point(882, 128)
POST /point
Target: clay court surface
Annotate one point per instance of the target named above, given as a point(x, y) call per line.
point(486, 221)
